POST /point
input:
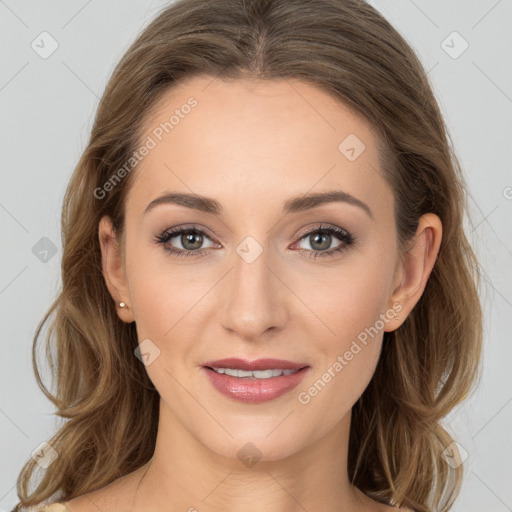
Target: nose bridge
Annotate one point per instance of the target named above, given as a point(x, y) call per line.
point(253, 300)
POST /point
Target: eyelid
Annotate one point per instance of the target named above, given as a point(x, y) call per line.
point(175, 230)
point(321, 226)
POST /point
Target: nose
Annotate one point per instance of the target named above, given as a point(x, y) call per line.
point(254, 296)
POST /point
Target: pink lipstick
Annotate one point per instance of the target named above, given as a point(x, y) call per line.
point(254, 381)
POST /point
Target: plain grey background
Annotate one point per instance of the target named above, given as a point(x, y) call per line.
point(47, 107)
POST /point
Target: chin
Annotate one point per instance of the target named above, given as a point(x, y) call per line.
point(250, 450)
point(263, 439)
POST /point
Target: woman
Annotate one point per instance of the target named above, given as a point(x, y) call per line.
point(268, 298)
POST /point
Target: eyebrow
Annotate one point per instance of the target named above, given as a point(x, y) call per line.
point(293, 205)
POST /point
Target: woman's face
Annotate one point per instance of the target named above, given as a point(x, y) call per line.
point(251, 286)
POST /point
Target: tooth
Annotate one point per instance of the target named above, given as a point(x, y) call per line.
point(256, 374)
point(266, 374)
point(243, 373)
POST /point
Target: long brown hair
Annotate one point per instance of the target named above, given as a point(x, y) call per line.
point(427, 366)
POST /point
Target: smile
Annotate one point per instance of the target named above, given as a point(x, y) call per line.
point(254, 381)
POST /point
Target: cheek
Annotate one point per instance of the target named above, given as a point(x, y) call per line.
point(172, 304)
point(351, 344)
point(165, 302)
point(348, 298)
point(349, 350)
point(334, 388)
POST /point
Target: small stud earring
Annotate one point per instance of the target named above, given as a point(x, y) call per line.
point(122, 305)
point(395, 315)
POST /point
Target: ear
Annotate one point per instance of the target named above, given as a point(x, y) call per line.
point(415, 268)
point(113, 269)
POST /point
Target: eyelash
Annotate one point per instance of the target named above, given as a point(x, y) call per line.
point(344, 236)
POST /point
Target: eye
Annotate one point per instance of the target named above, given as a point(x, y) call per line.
point(321, 238)
point(189, 240)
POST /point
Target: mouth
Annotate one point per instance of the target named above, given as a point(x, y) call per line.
point(254, 381)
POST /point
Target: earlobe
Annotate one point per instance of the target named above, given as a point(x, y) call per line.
point(417, 264)
point(113, 269)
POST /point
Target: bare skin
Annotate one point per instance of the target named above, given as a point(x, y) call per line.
point(252, 146)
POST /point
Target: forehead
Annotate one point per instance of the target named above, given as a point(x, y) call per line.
point(242, 140)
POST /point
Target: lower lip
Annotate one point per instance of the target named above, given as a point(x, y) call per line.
point(254, 391)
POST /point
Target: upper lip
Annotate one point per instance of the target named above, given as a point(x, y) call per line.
point(257, 364)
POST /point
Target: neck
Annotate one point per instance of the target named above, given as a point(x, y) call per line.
point(186, 475)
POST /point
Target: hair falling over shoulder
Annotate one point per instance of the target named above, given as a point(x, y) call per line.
point(427, 366)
